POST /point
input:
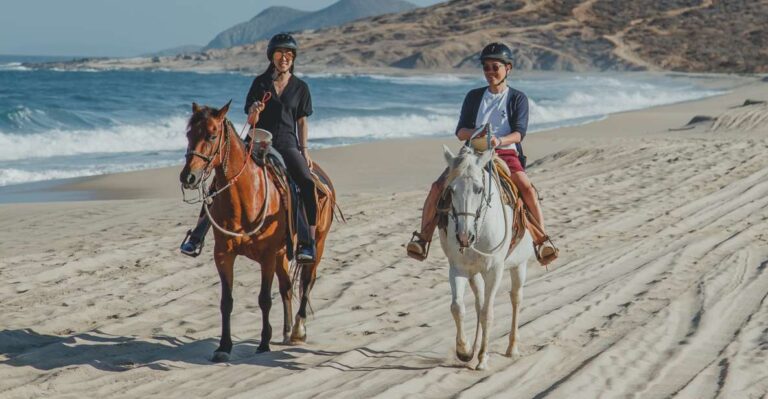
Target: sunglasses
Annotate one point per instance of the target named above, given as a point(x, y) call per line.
point(284, 54)
point(492, 67)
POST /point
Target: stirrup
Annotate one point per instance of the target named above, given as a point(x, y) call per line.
point(418, 247)
point(305, 259)
point(198, 248)
point(546, 252)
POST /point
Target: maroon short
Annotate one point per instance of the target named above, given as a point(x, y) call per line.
point(510, 158)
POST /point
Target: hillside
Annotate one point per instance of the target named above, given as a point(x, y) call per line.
point(563, 35)
point(285, 19)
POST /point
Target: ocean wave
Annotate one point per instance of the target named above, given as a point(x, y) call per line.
point(163, 135)
point(600, 103)
point(14, 66)
point(383, 127)
point(10, 176)
point(426, 80)
point(423, 80)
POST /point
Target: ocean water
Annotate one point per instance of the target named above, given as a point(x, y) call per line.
point(57, 124)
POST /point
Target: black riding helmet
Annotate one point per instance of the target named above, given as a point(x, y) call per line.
point(282, 40)
point(497, 51)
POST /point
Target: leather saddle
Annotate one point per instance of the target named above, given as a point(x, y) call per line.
point(267, 156)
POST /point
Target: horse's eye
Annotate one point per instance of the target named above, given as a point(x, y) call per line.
point(212, 137)
point(477, 189)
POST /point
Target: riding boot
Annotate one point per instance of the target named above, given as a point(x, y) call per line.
point(306, 252)
point(193, 242)
point(418, 247)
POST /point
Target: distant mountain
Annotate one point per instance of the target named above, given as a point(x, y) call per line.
point(188, 48)
point(262, 26)
point(284, 19)
point(345, 11)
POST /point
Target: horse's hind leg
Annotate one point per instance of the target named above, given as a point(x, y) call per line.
point(308, 273)
point(284, 280)
point(307, 277)
point(224, 264)
point(458, 285)
point(265, 302)
point(516, 295)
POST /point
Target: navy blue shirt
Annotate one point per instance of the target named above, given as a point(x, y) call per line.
point(517, 109)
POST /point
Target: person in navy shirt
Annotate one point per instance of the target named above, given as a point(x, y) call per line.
point(503, 113)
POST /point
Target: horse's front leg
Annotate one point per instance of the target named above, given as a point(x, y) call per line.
point(284, 281)
point(225, 265)
point(516, 296)
point(492, 279)
point(265, 302)
point(458, 285)
point(478, 289)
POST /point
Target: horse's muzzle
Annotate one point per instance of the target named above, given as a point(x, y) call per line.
point(465, 239)
point(190, 179)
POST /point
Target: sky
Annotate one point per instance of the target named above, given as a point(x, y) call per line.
point(126, 27)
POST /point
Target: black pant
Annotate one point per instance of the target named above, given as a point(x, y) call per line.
point(299, 171)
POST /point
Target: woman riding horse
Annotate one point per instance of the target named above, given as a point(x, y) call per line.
point(285, 116)
point(504, 113)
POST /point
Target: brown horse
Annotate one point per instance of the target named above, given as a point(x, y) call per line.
point(250, 218)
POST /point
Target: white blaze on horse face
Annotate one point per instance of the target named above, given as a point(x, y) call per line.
point(466, 200)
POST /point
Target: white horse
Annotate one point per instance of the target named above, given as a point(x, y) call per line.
point(476, 241)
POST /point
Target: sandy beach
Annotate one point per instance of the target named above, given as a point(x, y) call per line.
point(659, 292)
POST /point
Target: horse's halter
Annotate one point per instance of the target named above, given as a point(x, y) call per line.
point(223, 139)
point(485, 199)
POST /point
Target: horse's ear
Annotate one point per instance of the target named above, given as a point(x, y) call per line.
point(223, 111)
point(195, 108)
point(485, 158)
point(448, 155)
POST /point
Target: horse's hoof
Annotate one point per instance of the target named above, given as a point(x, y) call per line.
point(220, 357)
point(464, 357)
point(482, 366)
point(262, 349)
point(513, 353)
point(298, 339)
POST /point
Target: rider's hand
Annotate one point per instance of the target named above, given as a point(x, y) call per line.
point(256, 109)
point(495, 142)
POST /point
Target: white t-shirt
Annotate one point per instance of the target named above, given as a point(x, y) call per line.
point(493, 110)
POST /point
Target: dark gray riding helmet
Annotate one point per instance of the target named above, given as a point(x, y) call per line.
point(282, 40)
point(497, 51)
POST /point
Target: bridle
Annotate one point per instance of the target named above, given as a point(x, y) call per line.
point(206, 196)
point(485, 203)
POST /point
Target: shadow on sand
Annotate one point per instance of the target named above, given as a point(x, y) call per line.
point(116, 353)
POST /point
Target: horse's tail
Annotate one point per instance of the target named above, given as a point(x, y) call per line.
point(324, 184)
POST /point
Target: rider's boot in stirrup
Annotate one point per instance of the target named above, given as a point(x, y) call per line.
point(418, 247)
point(306, 252)
point(193, 242)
